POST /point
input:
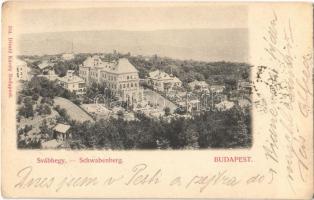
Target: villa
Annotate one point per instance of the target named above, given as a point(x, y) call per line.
point(161, 81)
point(73, 83)
point(119, 76)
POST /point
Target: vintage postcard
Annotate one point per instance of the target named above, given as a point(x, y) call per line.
point(155, 99)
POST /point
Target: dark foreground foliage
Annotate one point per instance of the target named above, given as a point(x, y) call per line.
point(228, 129)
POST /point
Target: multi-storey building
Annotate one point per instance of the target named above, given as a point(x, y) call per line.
point(119, 76)
point(22, 70)
point(162, 81)
point(72, 83)
point(243, 85)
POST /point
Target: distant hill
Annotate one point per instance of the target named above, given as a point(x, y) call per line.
point(197, 44)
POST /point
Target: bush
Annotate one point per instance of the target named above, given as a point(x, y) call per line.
point(43, 109)
point(28, 128)
point(19, 99)
point(47, 100)
point(167, 111)
point(35, 97)
point(26, 111)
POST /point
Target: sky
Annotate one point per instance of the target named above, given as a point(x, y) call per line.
point(144, 18)
point(202, 31)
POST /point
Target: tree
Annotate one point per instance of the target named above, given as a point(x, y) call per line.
point(245, 74)
point(47, 110)
point(197, 87)
point(120, 114)
point(26, 110)
point(27, 128)
point(35, 97)
point(19, 99)
point(231, 84)
point(192, 136)
point(45, 131)
point(60, 69)
point(180, 110)
point(167, 111)
point(176, 135)
point(47, 100)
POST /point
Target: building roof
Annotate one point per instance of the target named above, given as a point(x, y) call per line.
point(94, 62)
point(224, 105)
point(217, 88)
point(45, 64)
point(196, 82)
point(194, 101)
point(158, 74)
point(124, 66)
point(154, 73)
point(120, 66)
point(32, 72)
point(244, 103)
point(51, 144)
point(20, 62)
point(50, 77)
point(71, 79)
point(61, 128)
point(175, 79)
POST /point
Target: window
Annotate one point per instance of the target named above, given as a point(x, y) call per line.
point(131, 84)
point(127, 77)
point(120, 86)
point(128, 86)
point(123, 85)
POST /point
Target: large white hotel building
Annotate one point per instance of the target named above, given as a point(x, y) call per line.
point(120, 76)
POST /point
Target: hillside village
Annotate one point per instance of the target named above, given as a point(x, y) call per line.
point(119, 101)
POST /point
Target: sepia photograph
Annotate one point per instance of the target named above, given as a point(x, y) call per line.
point(153, 99)
point(134, 78)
